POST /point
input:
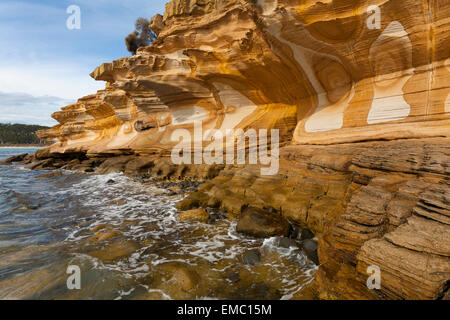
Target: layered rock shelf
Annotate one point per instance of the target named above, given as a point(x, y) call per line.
point(360, 94)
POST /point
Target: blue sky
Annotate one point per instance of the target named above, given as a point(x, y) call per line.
point(45, 66)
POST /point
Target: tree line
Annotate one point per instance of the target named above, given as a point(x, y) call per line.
point(20, 134)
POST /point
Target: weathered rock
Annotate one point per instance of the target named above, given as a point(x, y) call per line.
point(17, 158)
point(115, 164)
point(194, 215)
point(262, 224)
point(319, 72)
point(139, 165)
point(347, 209)
point(365, 109)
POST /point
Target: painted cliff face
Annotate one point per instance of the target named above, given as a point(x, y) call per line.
point(319, 71)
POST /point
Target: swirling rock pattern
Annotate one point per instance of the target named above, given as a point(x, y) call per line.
point(316, 70)
point(359, 89)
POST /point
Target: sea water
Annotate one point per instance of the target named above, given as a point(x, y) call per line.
point(125, 239)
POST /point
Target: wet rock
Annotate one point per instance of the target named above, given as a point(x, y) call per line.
point(41, 164)
point(300, 233)
point(308, 292)
point(306, 234)
point(16, 158)
point(50, 175)
point(115, 250)
point(234, 277)
point(174, 190)
point(262, 224)
point(72, 165)
point(262, 291)
point(270, 209)
point(110, 181)
point(117, 202)
point(139, 165)
point(215, 215)
point(252, 257)
point(195, 200)
point(186, 278)
point(194, 215)
point(285, 242)
point(98, 228)
point(310, 250)
point(103, 236)
point(93, 162)
point(115, 164)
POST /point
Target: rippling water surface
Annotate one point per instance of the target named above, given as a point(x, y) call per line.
point(127, 242)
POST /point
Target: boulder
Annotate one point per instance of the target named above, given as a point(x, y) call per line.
point(17, 158)
point(262, 224)
point(194, 215)
point(310, 250)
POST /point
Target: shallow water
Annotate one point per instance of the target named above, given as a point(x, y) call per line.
point(125, 238)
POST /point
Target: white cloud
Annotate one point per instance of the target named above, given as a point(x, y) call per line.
point(49, 65)
point(19, 107)
point(58, 79)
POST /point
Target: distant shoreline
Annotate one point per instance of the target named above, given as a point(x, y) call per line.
point(30, 146)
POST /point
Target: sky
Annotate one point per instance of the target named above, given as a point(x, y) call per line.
point(44, 65)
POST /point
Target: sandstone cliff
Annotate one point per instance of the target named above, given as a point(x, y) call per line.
point(363, 112)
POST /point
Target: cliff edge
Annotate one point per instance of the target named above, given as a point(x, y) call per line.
point(360, 94)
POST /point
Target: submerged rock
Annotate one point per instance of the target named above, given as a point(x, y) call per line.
point(258, 291)
point(104, 235)
point(252, 257)
point(285, 242)
point(115, 250)
point(262, 224)
point(186, 278)
point(234, 277)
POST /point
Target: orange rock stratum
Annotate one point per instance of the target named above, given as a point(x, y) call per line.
point(360, 93)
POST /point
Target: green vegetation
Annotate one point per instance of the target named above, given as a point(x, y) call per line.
point(19, 134)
